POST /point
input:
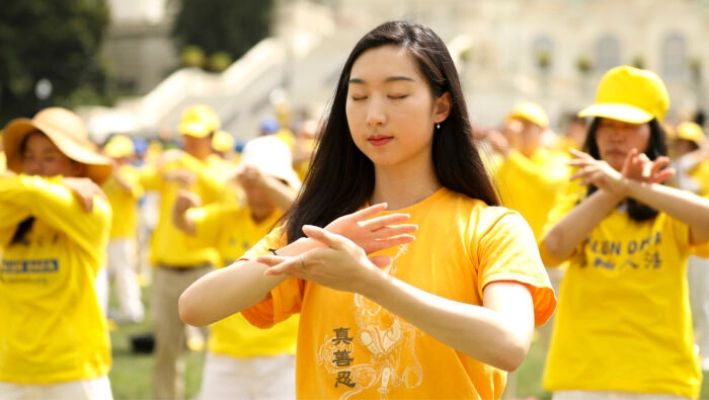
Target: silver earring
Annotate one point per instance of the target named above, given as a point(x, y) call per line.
point(438, 127)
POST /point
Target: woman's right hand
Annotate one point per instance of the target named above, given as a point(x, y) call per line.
point(373, 233)
point(84, 189)
point(640, 168)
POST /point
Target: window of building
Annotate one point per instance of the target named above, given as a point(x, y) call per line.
point(674, 57)
point(607, 53)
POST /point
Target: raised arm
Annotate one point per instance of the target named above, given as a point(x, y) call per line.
point(641, 179)
point(498, 332)
point(279, 192)
point(229, 290)
point(54, 202)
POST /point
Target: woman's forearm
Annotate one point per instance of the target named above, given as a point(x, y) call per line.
point(228, 291)
point(561, 241)
point(680, 204)
point(497, 334)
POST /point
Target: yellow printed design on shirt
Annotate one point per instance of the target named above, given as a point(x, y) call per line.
point(390, 340)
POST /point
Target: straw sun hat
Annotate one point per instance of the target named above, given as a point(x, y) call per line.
point(67, 131)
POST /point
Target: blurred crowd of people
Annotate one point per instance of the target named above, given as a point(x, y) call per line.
point(78, 221)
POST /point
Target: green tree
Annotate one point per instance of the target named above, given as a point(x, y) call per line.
point(227, 26)
point(56, 40)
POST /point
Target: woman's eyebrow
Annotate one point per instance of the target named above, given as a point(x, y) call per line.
point(387, 80)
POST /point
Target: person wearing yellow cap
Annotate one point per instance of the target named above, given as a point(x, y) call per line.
point(240, 356)
point(623, 326)
point(178, 258)
point(529, 175)
point(123, 191)
point(54, 227)
point(223, 145)
point(692, 165)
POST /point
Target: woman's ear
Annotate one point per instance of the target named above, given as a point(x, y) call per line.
point(442, 107)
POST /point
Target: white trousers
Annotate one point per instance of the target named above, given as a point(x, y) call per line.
point(121, 269)
point(268, 378)
point(94, 389)
point(698, 276)
point(609, 395)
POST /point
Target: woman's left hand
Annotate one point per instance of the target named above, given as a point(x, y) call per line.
point(637, 167)
point(597, 172)
point(342, 265)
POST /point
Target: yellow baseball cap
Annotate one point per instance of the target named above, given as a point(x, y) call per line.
point(223, 141)
point(690, 131)
point(630, 95)
point(531, 112)
point(198, 121)
point(119, 146)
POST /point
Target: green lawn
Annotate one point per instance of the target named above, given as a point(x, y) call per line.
point(131, 375)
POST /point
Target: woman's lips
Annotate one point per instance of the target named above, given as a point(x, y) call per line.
point(380, 140)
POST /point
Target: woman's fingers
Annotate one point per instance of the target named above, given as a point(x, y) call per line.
point(330, 239)
point(663, 175)
point(580, 154)
point(395, 230)
point(376, 223)
point(272, 260)
point(287, 265)
point(381, 244)
point(659, 164)
point(381, 262)
point(368, 212)
point(582, 172)
point(578, 162)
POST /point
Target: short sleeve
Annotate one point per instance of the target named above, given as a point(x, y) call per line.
point(507, 251)
point(285, 299)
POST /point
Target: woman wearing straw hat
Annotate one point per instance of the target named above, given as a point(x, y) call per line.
point(623, 329)
point(54, 227)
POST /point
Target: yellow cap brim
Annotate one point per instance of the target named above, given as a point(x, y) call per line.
point(194, 129)
point(619, 112)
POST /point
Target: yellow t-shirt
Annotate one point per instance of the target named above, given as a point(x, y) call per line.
point(52, 328)
point(234, 231)
point(349, 347)
point(171, 247)
point(530, 185)
point(623, 322)
point(124, 202)
point(3, 162)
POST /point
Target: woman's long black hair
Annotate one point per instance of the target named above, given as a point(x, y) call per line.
point(656, 147)
point(341, 177)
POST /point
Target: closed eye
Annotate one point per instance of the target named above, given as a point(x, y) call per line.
point(398, 96)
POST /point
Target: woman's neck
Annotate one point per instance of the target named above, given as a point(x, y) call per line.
point(403, 186)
